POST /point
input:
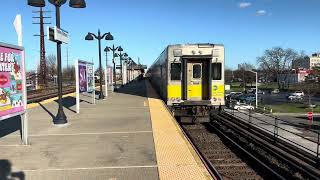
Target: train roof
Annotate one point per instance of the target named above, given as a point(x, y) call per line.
point(195, 44)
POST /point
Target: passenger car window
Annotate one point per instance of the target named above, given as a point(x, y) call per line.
point(216, 71)
point(175, 71)
point(197, 71)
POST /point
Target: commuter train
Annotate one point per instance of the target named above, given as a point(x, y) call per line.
point(190, 79)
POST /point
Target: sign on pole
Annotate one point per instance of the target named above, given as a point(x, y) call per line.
point(18, 27)
point(84, 80)
point(57, 35)
point(13, 95)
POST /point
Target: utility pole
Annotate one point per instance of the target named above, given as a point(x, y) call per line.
point(43, 67)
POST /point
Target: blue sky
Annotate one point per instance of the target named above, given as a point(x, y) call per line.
point(145, 27)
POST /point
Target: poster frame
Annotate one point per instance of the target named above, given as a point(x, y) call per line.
point(78, 85)
point(23, 113)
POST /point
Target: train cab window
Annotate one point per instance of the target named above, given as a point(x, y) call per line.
point(196, 71)
point(216, 71)
point(175, 71)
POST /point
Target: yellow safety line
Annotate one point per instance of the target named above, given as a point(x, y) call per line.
point(176, 158)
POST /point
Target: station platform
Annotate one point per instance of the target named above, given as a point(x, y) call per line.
point(129, 135)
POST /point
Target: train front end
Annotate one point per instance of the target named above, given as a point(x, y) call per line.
point(195, 79)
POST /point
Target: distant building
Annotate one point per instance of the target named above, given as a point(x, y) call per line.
point(296, 76)
point(301, 63)
point(315, 60)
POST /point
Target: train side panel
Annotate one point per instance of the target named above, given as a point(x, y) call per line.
point(158, 76)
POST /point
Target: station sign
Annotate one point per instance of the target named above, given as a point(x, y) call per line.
point(12, 81)
point(57, 35)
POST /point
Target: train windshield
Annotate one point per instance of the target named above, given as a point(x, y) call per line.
point(216, 71)
point(175, 71)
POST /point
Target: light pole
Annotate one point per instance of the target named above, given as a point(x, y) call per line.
point(124, 59)
point(99, 37)
point(106, 73)
point(120, 55)
point(60, 118)
point(114, 55)
point(256, 73)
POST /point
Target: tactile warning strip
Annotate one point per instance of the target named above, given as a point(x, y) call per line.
point(176, 158)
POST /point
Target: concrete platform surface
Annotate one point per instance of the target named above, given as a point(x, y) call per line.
point(110, 140)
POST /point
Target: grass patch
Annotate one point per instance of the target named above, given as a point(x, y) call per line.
point(292, 108)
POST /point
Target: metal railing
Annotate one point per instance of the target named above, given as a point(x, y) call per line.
point(275, 122)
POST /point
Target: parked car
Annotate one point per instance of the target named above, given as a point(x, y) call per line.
point(275, 91)
point(260, 92)
point(298, 93)
point(243, 106)
point(252, 90)
point(293, 97)
point(233, 95)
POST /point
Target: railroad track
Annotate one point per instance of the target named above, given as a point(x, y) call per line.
point(232, 151)
point(38, 96)
point(219, 156)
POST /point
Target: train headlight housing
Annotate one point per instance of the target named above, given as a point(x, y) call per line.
point(215, 87)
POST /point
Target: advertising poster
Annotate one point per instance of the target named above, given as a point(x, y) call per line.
point(11, 76)
point(82, 77)
point(90, 76)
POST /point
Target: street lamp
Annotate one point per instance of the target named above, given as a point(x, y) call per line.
point(89, 37)
point(106, 73)
point(256, 86)
point(121, 56)
point(114, 55)
point(60, 118)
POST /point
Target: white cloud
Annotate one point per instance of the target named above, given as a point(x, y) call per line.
point(261, 12)
point(244, 4)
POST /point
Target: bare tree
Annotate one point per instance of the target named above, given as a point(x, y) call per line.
point(277, 61)
point(228, 74)
point(51, 65)
point(243, 74)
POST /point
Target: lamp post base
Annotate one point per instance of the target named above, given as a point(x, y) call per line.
point(61, 118)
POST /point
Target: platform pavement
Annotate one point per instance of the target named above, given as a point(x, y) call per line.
point(110, 140)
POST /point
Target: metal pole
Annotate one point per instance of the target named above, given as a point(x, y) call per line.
point(106, 75)
point(60, 118)
point(256, 89)
point(114, 78)
point(318, 160)
point(101, 96)
point(121, 68)
point(77, 86)
point(275, 132)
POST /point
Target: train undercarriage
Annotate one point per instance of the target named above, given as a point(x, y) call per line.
point(194, 113)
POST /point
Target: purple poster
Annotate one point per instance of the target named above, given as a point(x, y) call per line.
point(11, 76)
point(82, 77)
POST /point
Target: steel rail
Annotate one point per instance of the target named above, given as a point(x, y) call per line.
point(277, 175)
point(210, 167)
point(272, 149)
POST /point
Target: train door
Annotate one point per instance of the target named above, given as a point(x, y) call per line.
point(197, 81)
point(194, 80)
